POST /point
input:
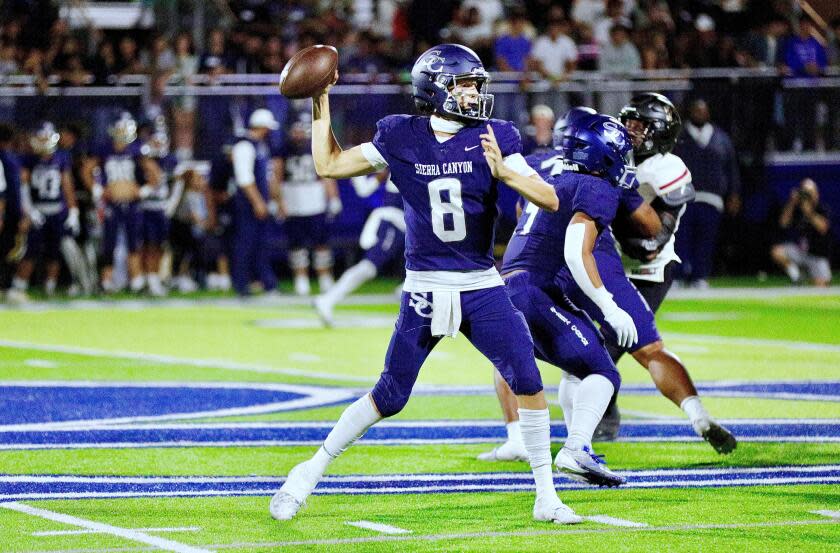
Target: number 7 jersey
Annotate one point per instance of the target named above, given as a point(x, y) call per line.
point(448, 191)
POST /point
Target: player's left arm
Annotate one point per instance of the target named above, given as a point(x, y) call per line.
point(581, 235)
point(515, 172)
point(151, 173)
point(72, 222)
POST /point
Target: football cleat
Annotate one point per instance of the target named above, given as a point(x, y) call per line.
point(324, 310)
point(292, 495)
point(607, 429)
point(582, 465)
point(551, 509)
point(508, 451)
point(283, 506)
point(718, 436)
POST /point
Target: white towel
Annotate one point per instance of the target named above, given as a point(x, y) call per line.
point(446, 313)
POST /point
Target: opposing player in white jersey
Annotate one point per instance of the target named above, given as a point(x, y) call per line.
point(308, 203)
point(447, 163)
point(665, 183)
point(382, 239)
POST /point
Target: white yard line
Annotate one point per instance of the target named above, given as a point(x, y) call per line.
point(80, 532)
point(378, 527)
point(125, 533)
point(524, 533)
point(613, 521)
point(173, 360)
point(827, 513)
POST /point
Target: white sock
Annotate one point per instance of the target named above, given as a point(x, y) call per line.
point(566, 396)
point(592, 398)
point(792, 270)
point(514, 432)
point(20, 284)
point(354, 421)
point(536, 435)
point(693, 407)
point(50, 286)
point(350, 280)
point(138, 282)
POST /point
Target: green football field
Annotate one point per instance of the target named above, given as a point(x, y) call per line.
point(134, 425)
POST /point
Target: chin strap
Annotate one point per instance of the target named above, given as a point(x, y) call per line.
point(445, 125)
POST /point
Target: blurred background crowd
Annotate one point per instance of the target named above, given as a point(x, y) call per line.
point(764, 75)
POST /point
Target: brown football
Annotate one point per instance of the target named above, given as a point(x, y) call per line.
point(309, 71)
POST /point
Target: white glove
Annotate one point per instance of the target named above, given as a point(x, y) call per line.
point(334, 207)
point(273, 208)
point(36, 217)
point(145, 191)
point(622, 323)
point(72, 222)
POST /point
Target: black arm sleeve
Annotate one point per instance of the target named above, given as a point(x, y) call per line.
point(645, 249)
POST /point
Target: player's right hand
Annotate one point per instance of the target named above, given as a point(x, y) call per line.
point(36, 218)
point(623, 325)
point(260, 211)
point(329, 86)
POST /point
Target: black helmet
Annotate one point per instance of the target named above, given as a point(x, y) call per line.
point(662, 123)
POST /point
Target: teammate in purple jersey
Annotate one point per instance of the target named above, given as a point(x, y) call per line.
point(665, 183)
point(122, 169)
point(155, 207)
point(589, 190)
point(645, 228)
point(50, 201)
point(382, 238)
point(447, 165)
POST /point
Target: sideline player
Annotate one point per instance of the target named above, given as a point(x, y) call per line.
point(153, 204)
point(308, 203)
point(654, 124)
point(123, 169)
point(589, 190)
point(382, 238)
point(50, 199)
point(447, 164)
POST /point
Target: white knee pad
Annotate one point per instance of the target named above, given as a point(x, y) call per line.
point(299, 259)
point(323, 259)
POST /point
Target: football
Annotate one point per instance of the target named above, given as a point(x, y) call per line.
point(309, 71)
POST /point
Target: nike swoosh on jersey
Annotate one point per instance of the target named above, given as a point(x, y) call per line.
point(470, 148)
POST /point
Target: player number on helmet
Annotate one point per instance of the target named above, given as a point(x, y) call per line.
point(445, 198)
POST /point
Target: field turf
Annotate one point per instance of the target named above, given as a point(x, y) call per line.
point(129, 425)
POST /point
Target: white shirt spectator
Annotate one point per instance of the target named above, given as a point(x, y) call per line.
point(555, 54)
point(489, 12)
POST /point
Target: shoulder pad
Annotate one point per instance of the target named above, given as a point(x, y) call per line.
point(663, 173)
point(677, 196)
point(507, 135)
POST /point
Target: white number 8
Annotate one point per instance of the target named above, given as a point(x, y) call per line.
point(454, 206)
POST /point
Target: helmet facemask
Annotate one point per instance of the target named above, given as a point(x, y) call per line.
point(466, 98)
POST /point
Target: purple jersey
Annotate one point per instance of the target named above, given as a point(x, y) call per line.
point(628, 202)
point(45, 177)
point(539, 239)
point(121, 166)
point(448, 191)
point(391, 196)
point(160, 194)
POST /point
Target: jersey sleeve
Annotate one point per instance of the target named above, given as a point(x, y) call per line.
point(64, 162)
point(387, 135)
point(508, 137)
point(596, 198)
point(629, 200)
point(664, 174)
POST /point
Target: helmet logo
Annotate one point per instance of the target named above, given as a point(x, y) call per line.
point(434, 62)
point(614, 133)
